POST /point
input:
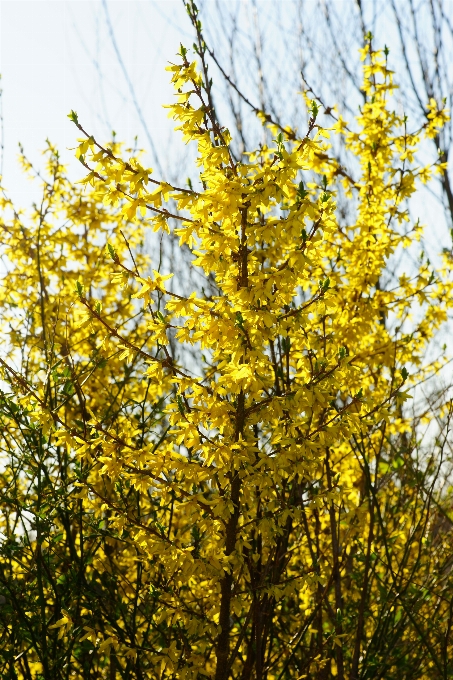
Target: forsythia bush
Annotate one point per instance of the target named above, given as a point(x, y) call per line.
point(228, 482)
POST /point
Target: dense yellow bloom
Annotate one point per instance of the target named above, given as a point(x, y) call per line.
point(223, 445)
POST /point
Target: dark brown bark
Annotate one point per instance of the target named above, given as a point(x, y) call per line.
point(226, 585)
point(363, 599)
point(223, 641)
point(337, 576)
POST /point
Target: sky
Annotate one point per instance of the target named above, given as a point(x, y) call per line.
point(58, 55)
point(106, 60)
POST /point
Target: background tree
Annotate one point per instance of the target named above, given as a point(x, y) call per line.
point(314, 46)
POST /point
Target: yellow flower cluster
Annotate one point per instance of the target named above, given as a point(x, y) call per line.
point(223, 445)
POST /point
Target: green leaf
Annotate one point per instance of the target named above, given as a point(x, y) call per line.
point(78, 289)
point(112, 252)
point(239, 320)
point(72, 115)
point(302, 193)
point(68, 388)
point(181, 408)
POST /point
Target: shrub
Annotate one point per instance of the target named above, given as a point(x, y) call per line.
point(226, 482)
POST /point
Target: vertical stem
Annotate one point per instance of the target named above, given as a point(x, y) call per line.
point(223, 641)
point(112, 664)
point(336, 572)
point(319, 596)
point(39, 571)
point(226, 584)
point(363, 597)
point(259, 616)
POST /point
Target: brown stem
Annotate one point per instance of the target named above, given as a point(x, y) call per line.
point(337, 576)
point(363, 599)
point(226, 584)
point(446, 185)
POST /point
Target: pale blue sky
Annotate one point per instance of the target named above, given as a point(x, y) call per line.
point(57, 55)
